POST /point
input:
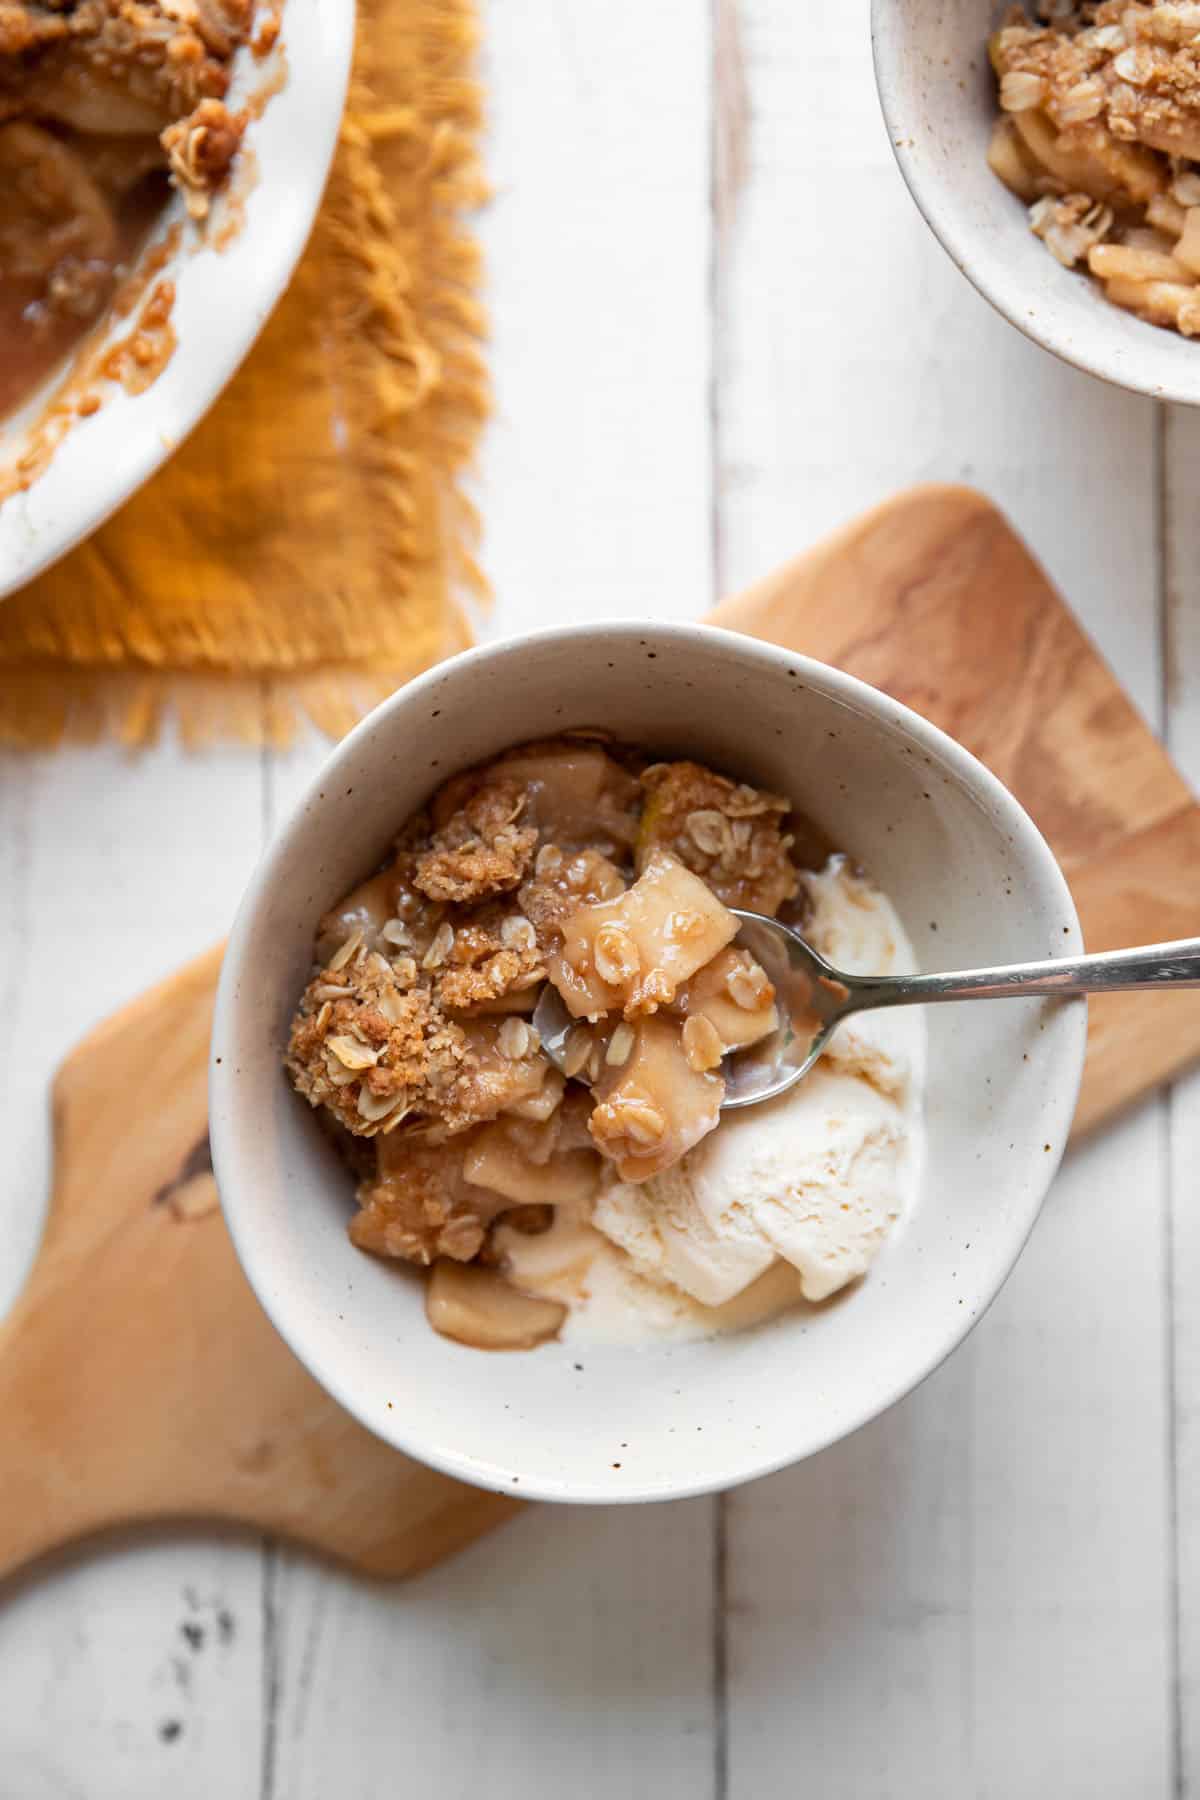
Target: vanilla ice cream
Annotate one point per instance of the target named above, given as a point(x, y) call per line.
point(789, 1199)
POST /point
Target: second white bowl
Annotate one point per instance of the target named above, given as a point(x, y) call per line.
point(939, 101)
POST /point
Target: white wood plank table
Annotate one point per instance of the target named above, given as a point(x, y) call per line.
point(720, 328)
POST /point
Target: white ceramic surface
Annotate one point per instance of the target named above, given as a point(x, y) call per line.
point(939, 102)
point(973, 882)
point(223, 299)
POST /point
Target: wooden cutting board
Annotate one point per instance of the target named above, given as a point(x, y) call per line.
point(139, 1378)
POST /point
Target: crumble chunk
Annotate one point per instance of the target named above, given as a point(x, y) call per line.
point(428, 1199)
point(419, 1206)
point(494, 962)
point(371, 1042)
point(480, 850)
point(374, 1048)
point(563, 882)
point(24, 27)
point(724, 831)
point(200, 150)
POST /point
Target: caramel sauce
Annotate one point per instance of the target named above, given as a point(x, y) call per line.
point(477, 1307)
point(34, 336)
point(140, 358)
point(76, 396)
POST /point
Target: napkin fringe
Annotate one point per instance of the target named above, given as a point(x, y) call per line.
point(116, 668)
point(43, 708)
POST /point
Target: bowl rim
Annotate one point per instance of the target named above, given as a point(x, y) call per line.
point(237, 1203)
point(136, 435)
point(887, 38)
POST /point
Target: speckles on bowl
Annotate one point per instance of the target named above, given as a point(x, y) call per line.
point(696, 1420)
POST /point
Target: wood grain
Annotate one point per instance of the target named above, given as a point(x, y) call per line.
point(1181, 463)
point(139, 1378)
point(934, 599)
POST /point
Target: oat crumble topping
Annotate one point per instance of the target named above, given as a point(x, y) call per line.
point(1099, 135)
point(724, 831)
point(481, 850)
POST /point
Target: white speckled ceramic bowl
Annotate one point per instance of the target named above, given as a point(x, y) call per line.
point(939, 102)
point(223, 298)
point(973, 882)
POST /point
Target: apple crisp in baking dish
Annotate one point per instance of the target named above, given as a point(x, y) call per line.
point(104, 106)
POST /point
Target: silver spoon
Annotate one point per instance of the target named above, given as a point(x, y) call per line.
point(813, 998)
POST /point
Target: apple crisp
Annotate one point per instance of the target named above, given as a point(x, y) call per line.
point(104, 105)
point(1099, 135)
point(573, 862)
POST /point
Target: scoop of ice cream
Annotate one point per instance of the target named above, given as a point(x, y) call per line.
point(852, 924)
point(815, 1178)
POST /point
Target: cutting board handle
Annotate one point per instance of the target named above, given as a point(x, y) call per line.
point(139, 1378)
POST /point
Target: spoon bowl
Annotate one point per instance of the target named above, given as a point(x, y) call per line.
point(809, 997)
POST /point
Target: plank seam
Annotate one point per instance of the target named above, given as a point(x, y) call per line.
point(727, 126)
point(1168, 658)
point(271, 1683)
point(720, 1650)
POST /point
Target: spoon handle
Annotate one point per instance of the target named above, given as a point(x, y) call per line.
point(1111, 972)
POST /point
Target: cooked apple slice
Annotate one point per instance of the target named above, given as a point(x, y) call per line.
point(366, 909)
point(653, 1104)
point(1133, 167)
point(521, 1003)
point(554, 1263)
point(1010, 160)
point(50, 205)
point(498, 1160)
point(477, 1306)
point(735, 995)
point(1066, 159)
point(509, 1069)
point(634, 952)
point(544, 1103)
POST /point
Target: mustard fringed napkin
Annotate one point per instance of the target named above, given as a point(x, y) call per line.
point(309, 547)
